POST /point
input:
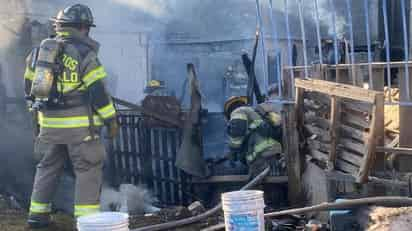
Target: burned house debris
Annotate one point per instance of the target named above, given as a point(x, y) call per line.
point(335, 73)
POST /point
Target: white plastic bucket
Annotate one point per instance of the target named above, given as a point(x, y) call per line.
point(107, 221)
point(244, 210)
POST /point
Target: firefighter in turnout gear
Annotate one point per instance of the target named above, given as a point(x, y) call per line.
point(254, 133)
point(64, 85)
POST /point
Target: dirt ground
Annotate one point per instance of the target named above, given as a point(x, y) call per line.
point(11, 220)
point(16, 221)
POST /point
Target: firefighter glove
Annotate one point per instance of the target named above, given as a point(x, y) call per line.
point(113, 128)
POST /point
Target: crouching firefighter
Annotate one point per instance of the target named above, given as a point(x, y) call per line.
point(254, 134)
point(64, 80)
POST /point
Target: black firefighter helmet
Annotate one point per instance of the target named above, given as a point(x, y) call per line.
point(78, 14)
point(233, 103)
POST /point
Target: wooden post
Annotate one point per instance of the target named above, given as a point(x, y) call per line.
point(337, 74)
point(319, 71)
point(373, 140)
point(405, 120)
point(291, 144)
point(353, 75)
point(379, 85)
point(344, 76)
point(358, 76)
point(333, 131)
point(378, 78)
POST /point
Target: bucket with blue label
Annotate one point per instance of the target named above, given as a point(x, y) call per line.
point(244, 210)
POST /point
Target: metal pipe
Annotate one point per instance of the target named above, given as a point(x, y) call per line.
point(387, 46)
point(275, 41)
point(262, 37)
point(368, 38)
point(345, 204)
point(406, 49)
point(191, 220)
point(317, 20)
point(302, 28)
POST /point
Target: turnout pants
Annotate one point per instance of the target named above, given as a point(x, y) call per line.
point(87, 159)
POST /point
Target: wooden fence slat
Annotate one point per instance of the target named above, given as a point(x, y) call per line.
point(361, 107)
point(319, 121)
point(348, 131)
point(335, 89)
point(346, 167)
point(354, 146)
point(352, 119)
point(317, 145)
point(321, 134)
point(319, 155)
point(350, 157)
point(368, 158)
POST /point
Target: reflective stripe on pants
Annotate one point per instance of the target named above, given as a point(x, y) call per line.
point(87, 160)
point(39, 208)
point(83, 210)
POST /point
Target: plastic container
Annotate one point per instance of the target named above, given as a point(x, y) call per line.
point(244, 210)
point(107, 221)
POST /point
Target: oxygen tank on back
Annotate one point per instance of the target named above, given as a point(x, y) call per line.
point(45, 69)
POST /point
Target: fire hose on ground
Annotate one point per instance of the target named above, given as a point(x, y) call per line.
point(203, 216)
point(346, 204)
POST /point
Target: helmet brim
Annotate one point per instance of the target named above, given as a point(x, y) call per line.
point(55, 20)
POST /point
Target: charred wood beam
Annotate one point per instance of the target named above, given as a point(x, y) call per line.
point(239, 179)
point(147, 112)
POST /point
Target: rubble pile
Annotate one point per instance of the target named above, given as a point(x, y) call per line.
point(390, 219)
point(172, 214)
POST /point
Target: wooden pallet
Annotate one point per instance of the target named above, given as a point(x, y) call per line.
point(341, 125)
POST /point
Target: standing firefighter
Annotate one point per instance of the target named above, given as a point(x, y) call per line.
point(64, 81)
point(254, 133)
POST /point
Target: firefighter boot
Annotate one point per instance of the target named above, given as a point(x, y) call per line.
point(38, 221)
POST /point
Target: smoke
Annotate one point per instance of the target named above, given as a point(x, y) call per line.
point(326, 14)
point(130, 199)
point(157, 8)
point(12, 20)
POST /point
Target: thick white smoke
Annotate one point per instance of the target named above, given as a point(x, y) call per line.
point(157, 8)
point(12, 18)
point(130, 199)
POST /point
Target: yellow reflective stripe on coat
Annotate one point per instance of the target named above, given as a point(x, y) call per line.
point(83, 210)
point(239, 116)
point(235, 142)
point(36, 207)
point(260, 147)
point(29, 74)
point(94, 75)
point(107, 111)
point(68, 87)
point(63, 33)
point(68, 122)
